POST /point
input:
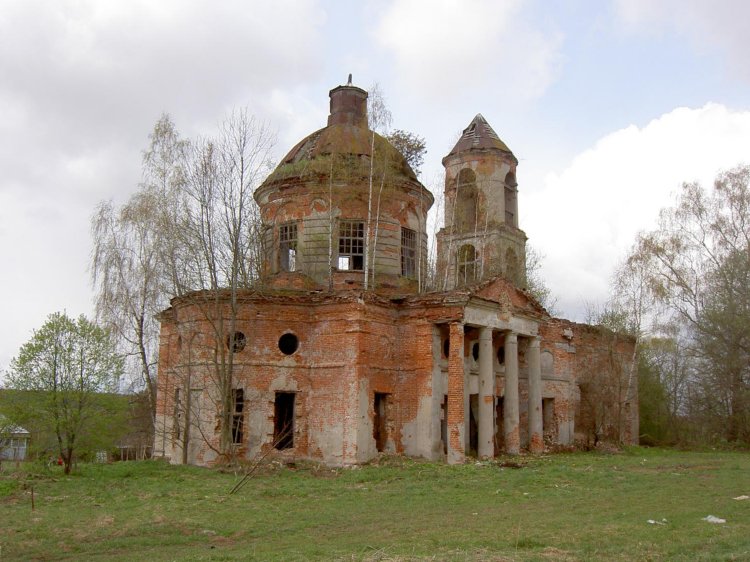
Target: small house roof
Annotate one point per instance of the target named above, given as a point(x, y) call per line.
point(11, 429)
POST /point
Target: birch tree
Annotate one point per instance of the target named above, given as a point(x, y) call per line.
point(223, 246)
point(379, 118)
point(135, 253)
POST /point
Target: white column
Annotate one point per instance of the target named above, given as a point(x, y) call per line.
point(510, 400)
point(486, 421)
point(536, 437)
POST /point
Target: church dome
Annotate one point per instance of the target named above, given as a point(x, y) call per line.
point(341, 213)
point(344, 145)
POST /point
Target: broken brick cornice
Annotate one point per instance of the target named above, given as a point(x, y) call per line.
point(264, 295)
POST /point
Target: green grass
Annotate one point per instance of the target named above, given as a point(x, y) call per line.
point(582, 506)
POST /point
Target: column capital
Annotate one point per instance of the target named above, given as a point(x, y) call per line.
point(485, 333)
point(511, 337)
point(535, 341)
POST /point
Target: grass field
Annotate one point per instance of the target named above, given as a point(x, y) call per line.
point(582, 506)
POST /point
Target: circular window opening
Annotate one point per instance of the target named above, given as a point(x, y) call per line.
point(475, 351)
point(446, 347)
point(236, 342)
point(288, 344)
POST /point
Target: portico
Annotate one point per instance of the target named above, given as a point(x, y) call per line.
point(483, 368)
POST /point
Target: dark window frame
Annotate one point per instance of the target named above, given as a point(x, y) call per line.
point(288, 240)
point(467, 266)
point(238, 416)
point(351, 256)
point(408, 252)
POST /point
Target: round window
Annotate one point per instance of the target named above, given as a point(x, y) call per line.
point(288, 344)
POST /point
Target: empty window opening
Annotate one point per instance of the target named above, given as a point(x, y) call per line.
point(236, 342)
point(446, 347)
point(288, 344)
point(288, 247)
point(466, 201)
point(238, 399)
point(408, 253)
point(473, 432)
point(501, 355)
point(283, 420)
point(510, 216)
point(444, 423)
point(475, 351)
point(351, 246)
point(380, 421)
point(467, 265)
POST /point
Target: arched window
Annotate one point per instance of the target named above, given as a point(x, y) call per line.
point(466, 201)
point(466, 265)
point(510, 199)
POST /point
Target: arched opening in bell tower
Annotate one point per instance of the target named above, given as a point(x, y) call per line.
point(466, 201)
point(467, 265)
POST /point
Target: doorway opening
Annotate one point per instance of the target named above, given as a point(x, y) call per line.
point(283, 420)
point(473, 416)
point(380, 421)
point(499, 425)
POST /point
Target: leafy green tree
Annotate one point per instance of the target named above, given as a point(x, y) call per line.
point(664, 370)
point(63, 369)
point(412, 147)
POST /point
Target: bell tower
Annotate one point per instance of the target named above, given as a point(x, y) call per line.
point(481, 237)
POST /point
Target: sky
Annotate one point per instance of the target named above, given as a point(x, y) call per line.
point(609, 106)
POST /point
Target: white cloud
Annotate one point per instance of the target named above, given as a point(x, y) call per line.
point(81, 84)
point(586, 217)
point(445, 47)
point(709, 24)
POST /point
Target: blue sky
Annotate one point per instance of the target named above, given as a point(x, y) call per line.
point(608, 106)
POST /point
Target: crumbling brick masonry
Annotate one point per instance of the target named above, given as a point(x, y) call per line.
point(327, 367)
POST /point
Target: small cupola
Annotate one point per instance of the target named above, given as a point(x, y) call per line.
point(348, 106)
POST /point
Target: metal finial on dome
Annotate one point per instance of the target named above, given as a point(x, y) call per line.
point(349, 83)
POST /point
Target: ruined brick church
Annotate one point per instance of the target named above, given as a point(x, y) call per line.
point(337, 357)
